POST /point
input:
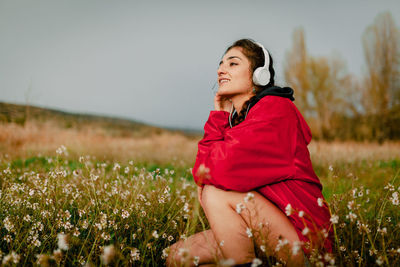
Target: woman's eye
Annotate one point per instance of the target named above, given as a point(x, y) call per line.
point(233, 63)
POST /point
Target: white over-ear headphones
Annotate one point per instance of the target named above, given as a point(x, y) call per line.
point(261, 75)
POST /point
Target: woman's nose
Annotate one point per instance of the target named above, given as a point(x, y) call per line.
point(221, 70)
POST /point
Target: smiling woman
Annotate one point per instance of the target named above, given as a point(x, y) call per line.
point(255, 179)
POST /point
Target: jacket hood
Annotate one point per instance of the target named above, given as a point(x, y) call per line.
point(286, 92)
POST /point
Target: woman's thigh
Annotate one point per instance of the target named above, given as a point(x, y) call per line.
point(255, 210)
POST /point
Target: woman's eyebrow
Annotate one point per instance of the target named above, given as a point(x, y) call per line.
point(229, 58)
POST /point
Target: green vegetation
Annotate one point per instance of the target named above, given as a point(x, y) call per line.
point(65, 211)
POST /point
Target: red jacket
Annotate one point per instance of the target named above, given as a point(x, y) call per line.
point(267, 152)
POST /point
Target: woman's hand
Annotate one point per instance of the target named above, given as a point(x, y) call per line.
point(222, 103)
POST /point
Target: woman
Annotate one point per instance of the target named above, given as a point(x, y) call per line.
point(255, 179)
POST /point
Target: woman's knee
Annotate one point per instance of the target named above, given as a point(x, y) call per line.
point(213, 197)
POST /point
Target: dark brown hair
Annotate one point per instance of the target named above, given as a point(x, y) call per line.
point(255, 55)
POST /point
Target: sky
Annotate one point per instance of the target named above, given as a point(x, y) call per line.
point(156, 61)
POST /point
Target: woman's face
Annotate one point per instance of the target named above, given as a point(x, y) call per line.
point(234, 76)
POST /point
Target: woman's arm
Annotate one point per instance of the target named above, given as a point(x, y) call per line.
point(250, 155)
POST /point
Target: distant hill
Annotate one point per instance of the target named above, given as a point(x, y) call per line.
point(20, 114)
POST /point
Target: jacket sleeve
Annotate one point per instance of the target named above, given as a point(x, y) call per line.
point(252, 154)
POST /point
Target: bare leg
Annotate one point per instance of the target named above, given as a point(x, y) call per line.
point(230, 227)
point(202, 245)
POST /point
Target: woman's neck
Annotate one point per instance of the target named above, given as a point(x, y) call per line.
point(239, 100)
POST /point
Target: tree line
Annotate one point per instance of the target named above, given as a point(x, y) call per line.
point(339, 106)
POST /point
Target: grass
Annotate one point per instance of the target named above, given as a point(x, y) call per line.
point(131, 198)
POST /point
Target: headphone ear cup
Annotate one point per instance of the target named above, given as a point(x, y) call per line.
point(261, 76)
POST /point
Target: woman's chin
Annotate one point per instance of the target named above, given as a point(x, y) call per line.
point(224, 92)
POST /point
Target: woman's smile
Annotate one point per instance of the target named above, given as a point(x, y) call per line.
point(223, 81)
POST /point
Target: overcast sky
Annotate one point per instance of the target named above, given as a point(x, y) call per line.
point(156, 61)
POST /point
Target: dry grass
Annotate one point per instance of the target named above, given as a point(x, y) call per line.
point(44, 138)
point(330, 152)
point(24, 141)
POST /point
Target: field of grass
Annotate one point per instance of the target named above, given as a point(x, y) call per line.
point(81, 196)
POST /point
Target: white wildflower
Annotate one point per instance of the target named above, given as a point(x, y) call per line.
point(8, 224)
point(350, 205)
point(36, 243)
point(354, 190)
point(296, 247)
point(62, 241)
point(62, 150)
point(203, 171)
point(135, 254)
point(379, 260)
point(27, 218)
point(334, 219)
point(75, 173)
point(382, 231)
point(105, 236)
point(7, 238)
point(256, 262)
point(239, 207)
point(288, 209)
point(249, 232)
point(11, 258)
point(155, 234)
point(281, 244)
point(320, 202)
point(305, 231)
point(183, 252)
point(395, 198)
point(116, 167)
point(94, 177)
point(125, 214)
point(372, 252)
point(76, 232)
point(196, 260)
point(248, 197)
point(352, 216)
point(165, 253)
point(7, 171)
point(108, 254)
point(186, 207)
